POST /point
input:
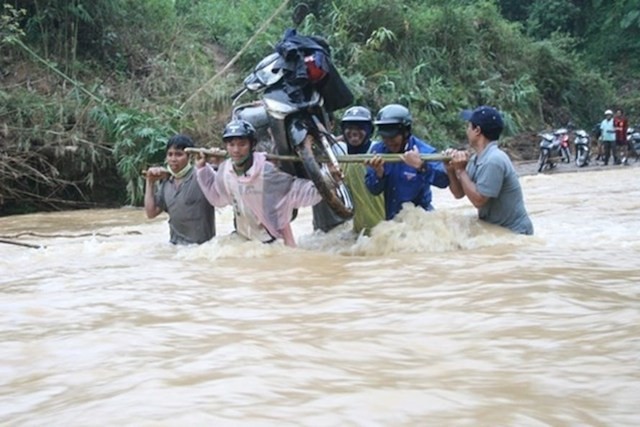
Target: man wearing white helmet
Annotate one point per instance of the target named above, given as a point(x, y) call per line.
point(357, 128)
point(608, 137)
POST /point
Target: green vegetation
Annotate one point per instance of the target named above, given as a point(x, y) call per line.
point(91, 90)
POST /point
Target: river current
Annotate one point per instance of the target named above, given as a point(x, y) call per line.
point(434, 320)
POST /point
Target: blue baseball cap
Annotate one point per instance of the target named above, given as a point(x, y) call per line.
point(488, 118)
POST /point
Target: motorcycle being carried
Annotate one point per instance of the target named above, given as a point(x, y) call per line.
point(582, 143)
point(553, 145)
point(298, 88)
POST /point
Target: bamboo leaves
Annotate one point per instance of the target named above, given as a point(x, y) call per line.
point(10, 23)
point(139, 139)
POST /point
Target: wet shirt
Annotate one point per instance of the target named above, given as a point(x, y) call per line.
point(495, 178)
point(263, 198)
point(369, 209)
point(191, 216)
point(401, 183)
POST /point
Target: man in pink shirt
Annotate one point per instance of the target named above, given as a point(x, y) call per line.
point(263, 197)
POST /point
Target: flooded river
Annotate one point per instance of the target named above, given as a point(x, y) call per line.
point(435, 320)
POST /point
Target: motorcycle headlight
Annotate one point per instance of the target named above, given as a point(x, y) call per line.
point(254, 86)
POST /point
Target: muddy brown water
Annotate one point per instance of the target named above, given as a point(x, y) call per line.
point(435, 319)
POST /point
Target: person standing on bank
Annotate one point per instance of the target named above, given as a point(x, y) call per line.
point(191, 217)
point(488, 178)
point(263, 197)
point(409, 180)
point(608, 137)
point(621, 125)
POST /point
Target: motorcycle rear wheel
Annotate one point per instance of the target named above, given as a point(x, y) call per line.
point(336, 194)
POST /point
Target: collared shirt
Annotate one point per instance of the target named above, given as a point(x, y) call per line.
point(495, 178)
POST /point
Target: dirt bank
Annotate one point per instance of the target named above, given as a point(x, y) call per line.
point(530, 167)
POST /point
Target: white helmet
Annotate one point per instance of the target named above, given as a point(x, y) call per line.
point(608, 112)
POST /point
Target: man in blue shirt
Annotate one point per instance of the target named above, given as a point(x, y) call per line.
point(409, 180)
point(608, 137)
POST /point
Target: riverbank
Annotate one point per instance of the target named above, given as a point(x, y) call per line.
point(530, 167)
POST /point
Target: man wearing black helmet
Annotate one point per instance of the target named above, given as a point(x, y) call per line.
point(263, 197)
point(191, 217)
point(407, 181)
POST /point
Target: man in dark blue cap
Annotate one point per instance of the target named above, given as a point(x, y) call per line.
point(488, 177)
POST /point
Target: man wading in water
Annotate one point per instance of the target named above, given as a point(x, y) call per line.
point(263, 197)
point(191, 217)
point(488, 178)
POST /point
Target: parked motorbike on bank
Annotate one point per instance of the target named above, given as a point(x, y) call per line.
point(552, 146)
point(298, 87)
point(633, 140)
point(582, 143)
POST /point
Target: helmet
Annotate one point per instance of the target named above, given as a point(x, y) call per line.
point(394, 114)
point(393, 119)
point(238, 128)
point(608, 112)
point(357, 114)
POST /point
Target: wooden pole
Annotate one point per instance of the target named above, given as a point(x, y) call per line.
point(352, 158)
point(165, 173)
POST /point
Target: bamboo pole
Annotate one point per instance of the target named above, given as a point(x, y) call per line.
point(390, 157)
point(352, 158)
point(165, 173)
point(215, 152)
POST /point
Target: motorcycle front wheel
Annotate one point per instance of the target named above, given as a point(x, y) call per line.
point(581, 158)
point(333, 191)
point(544, 158)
